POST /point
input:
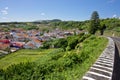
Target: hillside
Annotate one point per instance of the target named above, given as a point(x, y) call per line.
point(112, 25)
point(66, 62)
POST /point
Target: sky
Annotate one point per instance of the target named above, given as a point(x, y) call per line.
point(77, 10)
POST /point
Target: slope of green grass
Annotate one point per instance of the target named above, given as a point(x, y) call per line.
point(74, 64)
point(24, 55)
point(112, 33)
point(56, 64)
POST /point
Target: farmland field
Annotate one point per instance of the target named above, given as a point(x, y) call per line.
point(24, 55)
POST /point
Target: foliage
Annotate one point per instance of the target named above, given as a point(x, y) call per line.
point(60, 43)
point(70, 25)
point(95, 23)
point(23, 55)
point(117, 29)
point(73, 41)
point(111, 23)
point(58, 64)
point(102, 28)
point(47, 44)
point(67, 44)
point(45, 26)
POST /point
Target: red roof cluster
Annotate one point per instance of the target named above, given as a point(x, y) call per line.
point(4, 41)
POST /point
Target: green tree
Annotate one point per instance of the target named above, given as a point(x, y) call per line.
point(60, 43)
point(102, 28)
point(95, 23)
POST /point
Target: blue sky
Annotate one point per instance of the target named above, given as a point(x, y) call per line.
point(78, 10)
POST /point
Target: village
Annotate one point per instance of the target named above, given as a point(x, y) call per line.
point(19, 38)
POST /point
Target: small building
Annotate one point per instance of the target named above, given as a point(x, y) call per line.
point(29, 45)
point(4, 47)
point(33, 44)
point(17, 44)
point(5, 41)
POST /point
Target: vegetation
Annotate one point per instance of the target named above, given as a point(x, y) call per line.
point(55, 64)
point(112, 26)
point(102, 28)
point(95, 23)
point(66, 44)
point(107, 25)
point(24, 55)
point(60, 59)
point(70, 25)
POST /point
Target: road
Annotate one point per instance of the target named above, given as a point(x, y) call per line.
point(116, 70)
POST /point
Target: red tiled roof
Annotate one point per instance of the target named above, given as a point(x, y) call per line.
point(4, 41)
point(19, 44)
point(30, 44)
point(36, 40)
point(4, 46)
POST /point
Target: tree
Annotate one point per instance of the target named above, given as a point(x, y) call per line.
point(95, 23)
point(102, 28)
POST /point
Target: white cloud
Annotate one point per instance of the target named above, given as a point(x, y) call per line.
point(6, 8)
point(4, 11)
point(114, 16)
point(42, 14)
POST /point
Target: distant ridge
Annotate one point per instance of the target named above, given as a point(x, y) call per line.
point(53, 20)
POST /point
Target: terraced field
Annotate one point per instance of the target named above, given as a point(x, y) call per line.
point(24, 55)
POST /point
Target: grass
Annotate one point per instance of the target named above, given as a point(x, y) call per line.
point(24, 55)
point(91, 47)
point(112, 32)
point(95, 52)
point(54, 64)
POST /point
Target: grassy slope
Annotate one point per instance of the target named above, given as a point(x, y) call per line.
point(92, 48)
point(24, 55)
point(69, 65)
point(110, 33)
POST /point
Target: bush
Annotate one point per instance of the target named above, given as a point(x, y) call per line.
point(72, 42)
point(60, 43)
point(16, 71)
point(47, 44)
point(59, 65)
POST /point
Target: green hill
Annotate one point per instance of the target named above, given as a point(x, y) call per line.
point(69, 62)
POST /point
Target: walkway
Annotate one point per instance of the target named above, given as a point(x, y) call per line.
point(102, 69)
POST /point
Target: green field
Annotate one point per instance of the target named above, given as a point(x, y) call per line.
point(53, 64)
point(112, 33)
point(24, 55)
